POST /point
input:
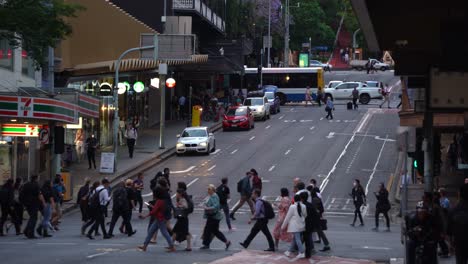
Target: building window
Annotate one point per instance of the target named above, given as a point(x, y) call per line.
point(27, 67)
point(6, 55)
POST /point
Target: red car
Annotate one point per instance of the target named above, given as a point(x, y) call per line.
point(238, 117)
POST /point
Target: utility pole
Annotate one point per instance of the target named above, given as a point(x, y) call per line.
point(162, 88)
point(55, 165)
point(269, 34)
point(286, 35)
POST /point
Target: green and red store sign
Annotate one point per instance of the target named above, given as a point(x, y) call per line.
point(47, 108)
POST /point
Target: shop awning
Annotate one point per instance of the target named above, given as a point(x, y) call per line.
point(33, 107)
point(128, 65)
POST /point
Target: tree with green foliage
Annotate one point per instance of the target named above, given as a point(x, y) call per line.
point(35, 25)
point(309, 20)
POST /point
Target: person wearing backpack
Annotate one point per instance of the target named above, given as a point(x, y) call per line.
point(224, 194)
point(90, 210)
point(245, 190)
point(32, 199)
point(294, 222)
point(99, 202)
point(159, 222)
point(181, 212)
point(121, 207)
point(261, 222)
point(382, 206)
point(6, 204)
point(82, 200)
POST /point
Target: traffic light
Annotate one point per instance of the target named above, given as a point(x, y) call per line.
point(415, 164)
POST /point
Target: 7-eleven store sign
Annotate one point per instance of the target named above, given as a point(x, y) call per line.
point(38, 108)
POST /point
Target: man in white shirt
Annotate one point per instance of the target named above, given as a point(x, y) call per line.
point(131, 136)
point(104, 199)
point(386, 95)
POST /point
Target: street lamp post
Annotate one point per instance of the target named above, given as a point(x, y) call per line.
point(354, 43)
point(269, 33)
point(286, 36)
point(116, 99)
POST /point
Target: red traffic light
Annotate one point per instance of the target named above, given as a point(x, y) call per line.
point(170, 83)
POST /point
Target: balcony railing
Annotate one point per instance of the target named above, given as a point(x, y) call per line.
point(202, 9)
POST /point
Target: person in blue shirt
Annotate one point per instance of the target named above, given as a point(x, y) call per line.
point(329, 108)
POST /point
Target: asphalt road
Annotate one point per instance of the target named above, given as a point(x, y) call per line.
point(298, 142)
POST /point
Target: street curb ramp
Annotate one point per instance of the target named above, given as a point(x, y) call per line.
point(142, 166)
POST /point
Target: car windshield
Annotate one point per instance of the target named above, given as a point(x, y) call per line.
point(253, 101)
point(194, 133)
point(269, 95)
point(334, 84)
point(236, 112)
point(315, 62)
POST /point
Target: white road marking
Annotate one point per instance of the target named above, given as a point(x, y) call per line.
point(301, 139)
point(183, 171)
point(267, 127)
point(287, 152)
point(385, 139)
point(212, 167)
point(312, 128)
point(106, 244)
point(234, 151)
point(362, 123)
point(375, 166)
point(97, 255)
point(56, 243)
point(251, 138)
point(215, 152)
point(327, 179)
point(331, 134)
point(281, 117)
point(272, 168)
point(306, 120)
point(378, 248)
point(321, 118)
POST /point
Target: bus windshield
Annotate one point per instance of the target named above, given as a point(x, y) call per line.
point(269, 95)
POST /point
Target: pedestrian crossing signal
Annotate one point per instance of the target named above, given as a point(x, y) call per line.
point(415, 164)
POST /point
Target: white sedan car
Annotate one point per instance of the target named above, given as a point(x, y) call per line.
point(195, 139)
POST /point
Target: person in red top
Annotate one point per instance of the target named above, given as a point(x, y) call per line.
point(256, 181)
point(159, 222)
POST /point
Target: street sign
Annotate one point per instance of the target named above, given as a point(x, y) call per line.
point(267, 42)
point(107, 162)
point(304, 60)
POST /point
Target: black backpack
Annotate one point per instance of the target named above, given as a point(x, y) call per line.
point(220, 191)
point(120, 199)
point(240, 185)
point(190, 205)
point(269, 212)
point(94, 201)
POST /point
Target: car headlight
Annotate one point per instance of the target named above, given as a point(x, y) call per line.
point(179, 145)
point(203, 144)
point(260, 109)
point(243, 119)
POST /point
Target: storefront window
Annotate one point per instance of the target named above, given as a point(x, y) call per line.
point(27, 65)
point(6, 55)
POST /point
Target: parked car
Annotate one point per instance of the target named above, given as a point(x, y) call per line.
point(259, 106)
point(344, 91)
point(375, 84)
point(361, 64)
point(333, 84)
point(195, 139)
point(238, 117)
point(274, 102)
point(324, 66)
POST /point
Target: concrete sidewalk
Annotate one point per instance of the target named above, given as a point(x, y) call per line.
point(146, 155)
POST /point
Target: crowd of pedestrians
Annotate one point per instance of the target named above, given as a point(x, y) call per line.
point(299, 220)
point(15, 197)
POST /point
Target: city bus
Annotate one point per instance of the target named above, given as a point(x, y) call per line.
point(291, 82)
